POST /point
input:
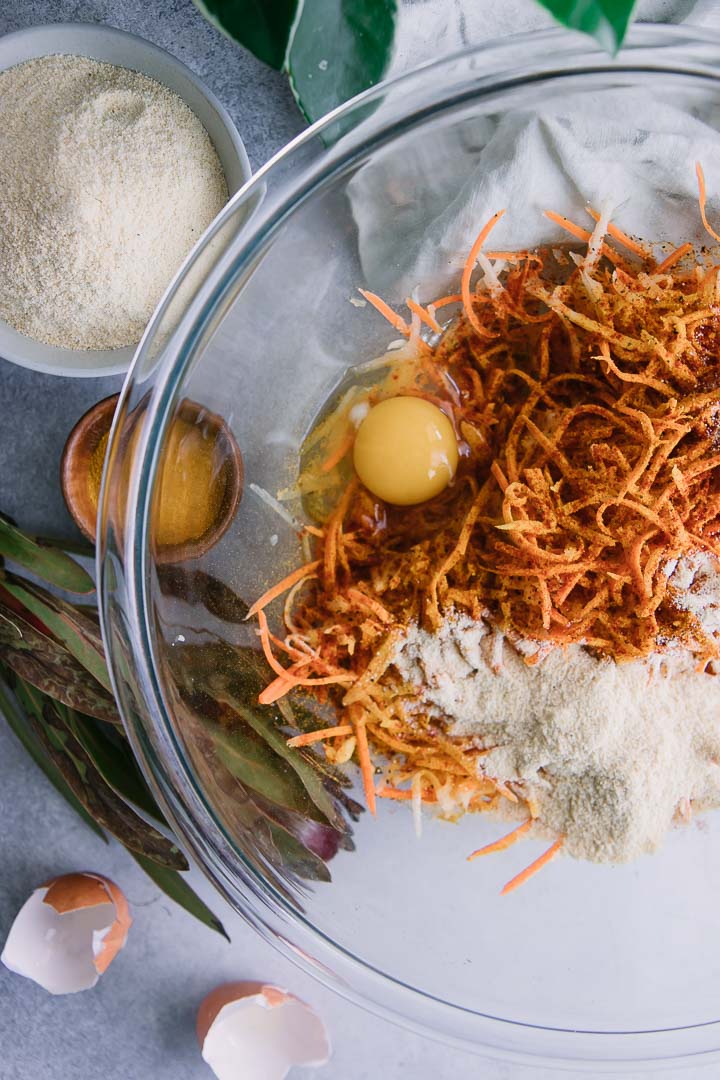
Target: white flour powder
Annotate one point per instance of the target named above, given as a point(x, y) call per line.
point(696, 584)
point(611, 753)
point(107, 179)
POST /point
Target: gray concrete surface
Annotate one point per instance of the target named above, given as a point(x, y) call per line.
point(138, 1024)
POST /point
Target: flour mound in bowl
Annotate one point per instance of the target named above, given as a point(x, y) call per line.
point(610, 754)
point(107, 180)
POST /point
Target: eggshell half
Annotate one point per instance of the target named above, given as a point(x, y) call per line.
point(68, 932)
point(251, 1031)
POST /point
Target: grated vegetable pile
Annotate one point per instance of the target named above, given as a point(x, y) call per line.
point(584, 389)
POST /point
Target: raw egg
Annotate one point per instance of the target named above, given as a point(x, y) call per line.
point(405, 451)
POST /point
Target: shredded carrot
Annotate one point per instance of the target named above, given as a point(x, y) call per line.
point(499, 475)
point(582, 393)
point(511, 256)
point(310, 737)
point(456, 298)
point(673, 258)
point(265, 641)
point(371, 604)
point(579, 233)
point(702, 199)
point(468, 271)
point(338, 453)
point(424, 315)
point(404, 795)
point(275, 690)
point(621, 237)
point(289, 680)
point(333, 536)
point(282, 586)
point(265, 636)
point(366, 767)
point(533, 868)
point(456, 552)
point(504, 842)
point(293, 676)
point(569, 226)
point(386, 311)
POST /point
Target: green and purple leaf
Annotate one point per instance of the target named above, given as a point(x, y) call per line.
point(87, 785)
point(113, 759)
point(76, 630)
point(19, 726)
point(48, 666)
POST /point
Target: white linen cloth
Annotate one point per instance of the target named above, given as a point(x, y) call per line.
point(429, 29)
point(417, 213)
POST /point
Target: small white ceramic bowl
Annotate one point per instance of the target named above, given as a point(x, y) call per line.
point(125, 50)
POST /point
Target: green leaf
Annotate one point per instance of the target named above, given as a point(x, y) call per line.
point(238, 689)
point(19, 726)
point(47, 563)
point(196, 587)
point(237, 807)
point(251, 819)
point(339, 48)
point(169, 880)
point(173, 885)
point(217, 677)
point(262, 26)
point(285, 808)
point(47, 665)
point(113, 759)
point(251, 760)
point(76, 546)
point(605, 20)
point(331, 49)
point(101, 802)
point(312, 781)
point(77, 631)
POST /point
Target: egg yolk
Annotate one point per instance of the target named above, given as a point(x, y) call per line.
point(405, 451)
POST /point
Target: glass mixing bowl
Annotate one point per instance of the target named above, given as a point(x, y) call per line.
point(588, 964)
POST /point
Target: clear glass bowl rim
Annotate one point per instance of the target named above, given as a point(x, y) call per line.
point(501, 63)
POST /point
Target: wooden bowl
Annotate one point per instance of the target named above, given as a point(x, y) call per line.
point(80, 447)
point(228, 474)
point(81, 495)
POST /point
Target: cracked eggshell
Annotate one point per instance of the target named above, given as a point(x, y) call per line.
point(250, 1031)
point(68, 932)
